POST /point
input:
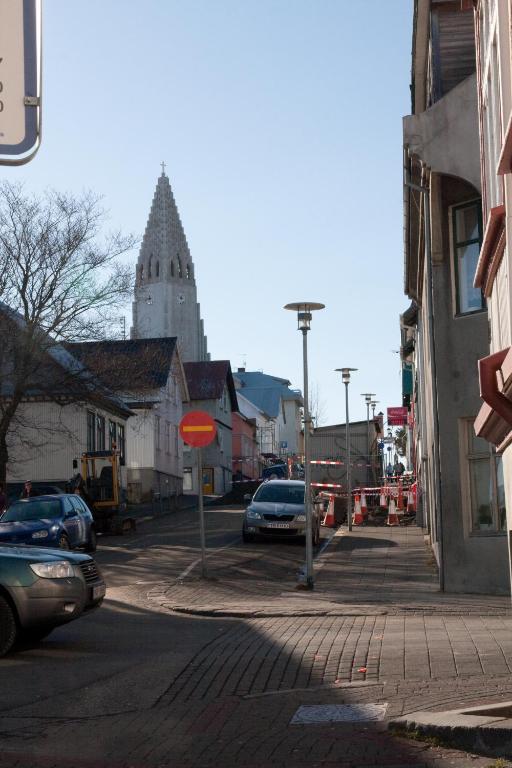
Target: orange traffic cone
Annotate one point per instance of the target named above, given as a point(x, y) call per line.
point(357, 517)
point(392, 514)
point(329, 520)
point(364, 508)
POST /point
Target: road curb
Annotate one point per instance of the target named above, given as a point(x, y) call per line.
point(485, 730)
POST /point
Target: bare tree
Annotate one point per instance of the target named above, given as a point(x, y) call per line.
point(316, 406)
point(61, 280)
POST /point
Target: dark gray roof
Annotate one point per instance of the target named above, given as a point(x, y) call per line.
point(128, 365)
point(206, 380)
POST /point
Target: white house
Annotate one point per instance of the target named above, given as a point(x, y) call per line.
point(148, 376)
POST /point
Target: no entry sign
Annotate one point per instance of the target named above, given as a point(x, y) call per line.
point(197, 429)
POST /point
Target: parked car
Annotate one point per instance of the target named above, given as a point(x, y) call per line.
point(14, 490)
point(62, 520)
point(277, 509)
point(41, 589)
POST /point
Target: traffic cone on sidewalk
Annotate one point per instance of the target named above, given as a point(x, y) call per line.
point(329, 520)
point(357, 517)
point(392, 514)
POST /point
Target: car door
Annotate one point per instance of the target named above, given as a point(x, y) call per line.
point(82, 524)
point(71, 521)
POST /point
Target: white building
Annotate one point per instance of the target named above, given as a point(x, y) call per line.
point(148, 375)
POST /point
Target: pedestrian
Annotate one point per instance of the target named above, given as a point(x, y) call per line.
point(3, 498)
point(27, 490)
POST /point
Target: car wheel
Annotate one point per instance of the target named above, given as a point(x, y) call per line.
point(8, 628)
point(64, 542)
point(34, 634)
point(93, 542)
point(247, 537)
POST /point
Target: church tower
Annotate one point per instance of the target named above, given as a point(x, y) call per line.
point(165, 288)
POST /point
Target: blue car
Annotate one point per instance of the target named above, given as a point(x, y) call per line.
point(62, 520)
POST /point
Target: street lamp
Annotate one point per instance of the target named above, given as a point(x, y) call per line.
point(373, 404)
point(368, 398)
point(345, 377)
point(304, 310)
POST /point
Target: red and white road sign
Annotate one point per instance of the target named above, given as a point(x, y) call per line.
point(198, 429)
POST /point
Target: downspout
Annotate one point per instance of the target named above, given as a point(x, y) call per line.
point(425, 191)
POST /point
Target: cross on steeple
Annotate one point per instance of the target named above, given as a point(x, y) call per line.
point(163, 168)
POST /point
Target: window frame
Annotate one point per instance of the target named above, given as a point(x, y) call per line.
point(495, 460)
point(456, 245)
point(91, 431)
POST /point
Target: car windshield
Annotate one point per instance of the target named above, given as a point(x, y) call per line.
point(32, 510)
point(281, 494)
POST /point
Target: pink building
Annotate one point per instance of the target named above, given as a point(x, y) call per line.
point(246, 458)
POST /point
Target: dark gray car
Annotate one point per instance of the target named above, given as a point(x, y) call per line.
point(277, 509)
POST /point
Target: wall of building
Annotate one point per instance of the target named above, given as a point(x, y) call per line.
point(218, 456)
point(47, 437)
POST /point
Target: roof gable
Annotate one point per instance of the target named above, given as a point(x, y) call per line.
point(206, 380)
point(129, 365)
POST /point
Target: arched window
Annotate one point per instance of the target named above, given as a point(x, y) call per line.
point(149, 265)
point(157, 270)
point(187, 272)
point(172, 268)
point(141, 273)
point(180, 271)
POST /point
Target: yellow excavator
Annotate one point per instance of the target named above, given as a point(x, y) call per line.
point(99, 483)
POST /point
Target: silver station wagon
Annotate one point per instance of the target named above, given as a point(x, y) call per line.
point(277, 509)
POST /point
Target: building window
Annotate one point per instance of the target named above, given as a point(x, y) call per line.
point(157, 269)
point(149, 265)
point(172, 268)
point(167, 437)
point(141, 273)
point(121, 439)
point(180, 271)
point(100, 432)
point(157, 432)
point(486, 486)
point(187, 479)
point(467, 239)
point(91, 431)
point(112, 435)
point(187, 271)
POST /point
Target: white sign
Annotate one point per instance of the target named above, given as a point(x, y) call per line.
point(20, 66)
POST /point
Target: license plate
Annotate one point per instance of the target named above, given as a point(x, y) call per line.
point(98, 591)
point(278, 525)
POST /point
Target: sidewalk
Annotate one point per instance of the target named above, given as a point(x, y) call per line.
point(375, 629)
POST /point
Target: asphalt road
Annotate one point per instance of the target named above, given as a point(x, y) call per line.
point(96, 661)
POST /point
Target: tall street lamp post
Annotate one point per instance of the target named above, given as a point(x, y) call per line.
point(304, 310)
point(345, 376)
point(368, 398)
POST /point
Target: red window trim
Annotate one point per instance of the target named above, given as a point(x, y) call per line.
point(505, 160)
point(491, 252)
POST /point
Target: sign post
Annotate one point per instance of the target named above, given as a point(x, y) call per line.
point(198, 429)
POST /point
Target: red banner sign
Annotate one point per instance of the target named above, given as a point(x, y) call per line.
point(397, 417)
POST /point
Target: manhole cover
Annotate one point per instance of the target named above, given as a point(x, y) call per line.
point(338, 713)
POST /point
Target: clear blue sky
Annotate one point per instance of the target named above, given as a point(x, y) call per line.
point(280, 124)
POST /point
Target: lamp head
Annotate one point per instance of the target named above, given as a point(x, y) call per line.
point(304, 310)
point(345, 374)
point(368, 396)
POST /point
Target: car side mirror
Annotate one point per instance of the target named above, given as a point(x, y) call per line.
point(247, 497)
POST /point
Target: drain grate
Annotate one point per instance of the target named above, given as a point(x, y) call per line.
point(309, 714)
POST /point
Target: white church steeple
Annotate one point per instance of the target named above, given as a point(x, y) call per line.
point(165, 288)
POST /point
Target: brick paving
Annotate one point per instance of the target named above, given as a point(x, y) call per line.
point(375, 630)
